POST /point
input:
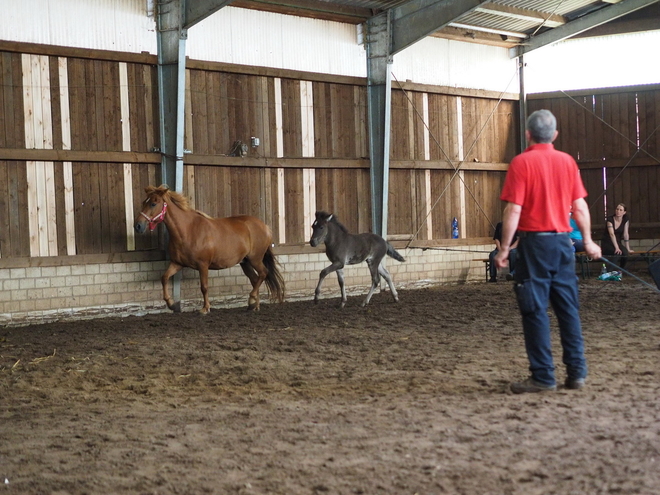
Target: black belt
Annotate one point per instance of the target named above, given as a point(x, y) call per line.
point(522, 233)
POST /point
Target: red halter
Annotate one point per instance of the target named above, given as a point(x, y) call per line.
point(157, 219)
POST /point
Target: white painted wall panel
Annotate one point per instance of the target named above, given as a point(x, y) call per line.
point(250, 37)
point(455, 64)
point(121, 25)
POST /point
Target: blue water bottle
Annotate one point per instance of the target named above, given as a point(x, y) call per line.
point(454, 228)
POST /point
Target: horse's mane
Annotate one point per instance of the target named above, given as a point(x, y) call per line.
point(325, 216)
point(176, 198)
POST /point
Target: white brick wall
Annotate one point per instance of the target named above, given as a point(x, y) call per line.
point(42, 294)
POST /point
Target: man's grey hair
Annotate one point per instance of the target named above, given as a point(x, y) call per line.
point(542, 126)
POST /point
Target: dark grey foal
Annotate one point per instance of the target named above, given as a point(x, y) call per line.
point(343, 248)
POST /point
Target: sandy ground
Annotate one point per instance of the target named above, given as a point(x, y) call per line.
point(408, 398)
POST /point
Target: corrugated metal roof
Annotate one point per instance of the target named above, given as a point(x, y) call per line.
point(500, 22)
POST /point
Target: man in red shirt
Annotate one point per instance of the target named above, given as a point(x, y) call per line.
point(541, 186)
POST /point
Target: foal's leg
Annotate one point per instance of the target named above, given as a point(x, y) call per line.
point(336, 265)
point(340, 279)
point(257, 272)
point(386, 275)
point(375, 280)
point(169, 273)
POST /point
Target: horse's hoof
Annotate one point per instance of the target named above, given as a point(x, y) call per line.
point(176, 307)
point(204, 311)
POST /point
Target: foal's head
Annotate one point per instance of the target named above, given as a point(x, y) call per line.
point(320, 228)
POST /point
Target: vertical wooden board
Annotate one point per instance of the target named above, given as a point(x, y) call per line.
point(324, 189)
point(347, 135)
point(55, 107)
point(143, 177)
point(443, 212)
point(215, 105)
point(231, 101)
point(273, 110)
point(14, 219)
point(619, 124)
point(136, 100)
point(336, 123)
point(6, 113)
point(653, 144)
point(117, 205)
point(470, 127)
point(401, 145)
point(639, 193)
point(623, 134)
point(600, 130)
point(199, 111)
point(109, 93)
point(361, 122)
point(581, 129)
point(633, 123)
point(322, 117)
point(593, 182)
point(473, 201)
point(440, 128)
point(653, 206)
point(150, 77)
point(419, 126)
point(246, 191)
point(401, 207)
point(78, 99)
point(12, 118)
point(364, 200)
point(418, 226)
point(103, 187)
point(349, 199)
point(5, 208)
point(291, 124)
point(451, 130)
point(265, 104)
point(294, 204)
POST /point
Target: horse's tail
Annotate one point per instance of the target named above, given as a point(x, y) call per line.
point(394, 253)
point(274, 280)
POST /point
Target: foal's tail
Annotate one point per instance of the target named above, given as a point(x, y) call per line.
point(274, 280)
point(394, 253)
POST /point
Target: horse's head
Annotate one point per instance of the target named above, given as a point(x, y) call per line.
point(153, 209)
point(320, 228)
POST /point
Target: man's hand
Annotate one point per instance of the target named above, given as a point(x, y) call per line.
point(502, 258)
point(593, 250)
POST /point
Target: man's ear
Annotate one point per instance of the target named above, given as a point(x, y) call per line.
point(555, 136)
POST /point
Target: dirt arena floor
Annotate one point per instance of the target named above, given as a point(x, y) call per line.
point(408, 398)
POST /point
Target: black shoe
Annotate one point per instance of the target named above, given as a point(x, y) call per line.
point(531, 386)
point(509, 277)
point(492, 279)
point(574, 383)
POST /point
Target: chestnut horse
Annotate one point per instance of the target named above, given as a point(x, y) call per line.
point(201, 242)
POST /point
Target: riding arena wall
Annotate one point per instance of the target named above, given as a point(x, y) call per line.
point(81, 142)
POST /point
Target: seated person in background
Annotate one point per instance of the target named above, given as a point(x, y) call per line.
point(512, 254)
point(616, 238)
point(576, 236)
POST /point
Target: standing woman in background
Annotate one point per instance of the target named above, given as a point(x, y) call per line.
point(616, 239)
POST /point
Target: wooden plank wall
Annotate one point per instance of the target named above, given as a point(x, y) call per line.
point(615, 138)
point(313, 153)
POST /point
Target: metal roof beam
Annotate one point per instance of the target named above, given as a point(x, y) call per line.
point(550, 20)
point(417, 19)
point(580, 25)
point(198, 10)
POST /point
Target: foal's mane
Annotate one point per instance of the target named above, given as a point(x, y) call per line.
point(329, 217)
